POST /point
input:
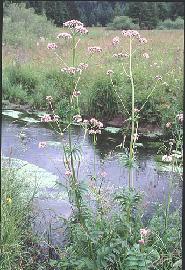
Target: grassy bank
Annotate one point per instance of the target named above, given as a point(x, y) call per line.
point(31, 71)
point(17, 237)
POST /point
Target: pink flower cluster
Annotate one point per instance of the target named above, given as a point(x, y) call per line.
point(77, 26)
point(83, 66)
point(52, 46)
point(95, 126)
point(82, 30)
point(146, 55)
point(110, 71)
point(143, 40)
point(71, 70)
point(50, 118)
point(94, 49)
point(158, 78)
point(180, 117)
point(115, 41)
point(131, 33)
point(121, 55)
point(76, 93)
point(49, 98)
point(64, 35)
point(68, 173)
point(77, 118)
point(73, 24)
point(144, 233)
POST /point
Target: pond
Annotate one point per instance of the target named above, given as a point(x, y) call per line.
point(51, 204)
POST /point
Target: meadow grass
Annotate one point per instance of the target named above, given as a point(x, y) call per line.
point(165, 49)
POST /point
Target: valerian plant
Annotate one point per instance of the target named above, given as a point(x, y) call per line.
point(105, 232)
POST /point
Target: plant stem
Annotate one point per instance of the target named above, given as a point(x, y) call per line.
point(131, 156)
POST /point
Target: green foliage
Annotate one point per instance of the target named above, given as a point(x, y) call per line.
point(169, 24)
point(123, 22)
point(22, 27)
point(15, 219)
point(103, 100)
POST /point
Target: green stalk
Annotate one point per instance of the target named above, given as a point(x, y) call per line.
point(131, 156)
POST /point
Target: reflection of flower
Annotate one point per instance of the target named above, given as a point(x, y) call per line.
point(68, 173)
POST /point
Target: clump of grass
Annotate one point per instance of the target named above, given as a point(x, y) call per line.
point(15, 219)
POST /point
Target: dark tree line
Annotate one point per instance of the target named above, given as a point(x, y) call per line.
point(146, 14)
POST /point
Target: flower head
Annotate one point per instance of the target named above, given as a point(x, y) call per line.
point(76, 93)
point(82, 30)
point(83, 66)
point(8, 200)
point(180, 117)
point(141, 241)
point(158, 78)
point(143, 40)
point(115, 41)
point(71, 70)
point(94, 49)
point(42, 144)
point(64, 35)
point(110, 71)
point(77, 118)
point(52, 46)
point(169, 124)
point(73, 24)
point(131, 33)
point(146, 55)
point(167, 158)
point(49, 98)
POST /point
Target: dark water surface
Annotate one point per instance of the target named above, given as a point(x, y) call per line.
point(155, 184)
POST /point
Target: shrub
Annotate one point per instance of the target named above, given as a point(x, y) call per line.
point(123, 22)
point(169, 24)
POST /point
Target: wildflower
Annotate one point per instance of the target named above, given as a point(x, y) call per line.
point(131, 33)
point(115, 41)
point(109, 72)
point(144, 232)
point(83, 66)
point(42, 144)
point(146, 55)
point(142, 40)
point(73, 24)
point(82, 30)
point(64, 35)
point(49, 98)
point(141, 241)
point(71, 70)
point(170, 143)
point(76, 93)
point(96, 126)
point(158, 78)
point(77, 118)
point(52, 46)
point(68, 173)
point(180, 117)
point(167, 158)
point(169, 124)
point(94, 49)
point(136, 110)
point(8, 200)
point(103, 174)
point(46, 118)
point(86, 122)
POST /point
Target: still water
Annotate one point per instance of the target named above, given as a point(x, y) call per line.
point(49, 208)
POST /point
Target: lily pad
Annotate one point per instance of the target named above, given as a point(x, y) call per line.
point(113, 130)
point(12, 113)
